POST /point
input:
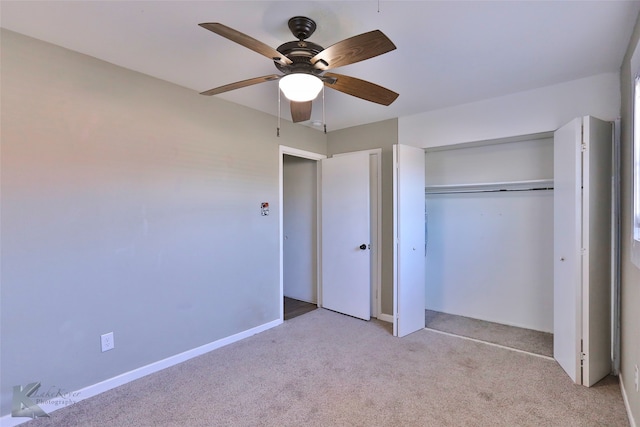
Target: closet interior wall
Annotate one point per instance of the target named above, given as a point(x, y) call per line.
point(489, 215)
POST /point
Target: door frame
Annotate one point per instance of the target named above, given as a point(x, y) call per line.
point(376, 259)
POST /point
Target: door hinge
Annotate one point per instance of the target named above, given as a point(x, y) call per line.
point(583, 251)
point(583, 147)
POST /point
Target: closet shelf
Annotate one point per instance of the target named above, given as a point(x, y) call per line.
point(529, 185)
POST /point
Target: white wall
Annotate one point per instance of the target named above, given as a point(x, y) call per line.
point(128, 205)
point(490, 257)
point(523, 113)
point(522, 160)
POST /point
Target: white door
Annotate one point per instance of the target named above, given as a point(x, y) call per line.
point(346, 274)
point(409, 238)
point(582, 249)
point(567, 230)
point(596, 231)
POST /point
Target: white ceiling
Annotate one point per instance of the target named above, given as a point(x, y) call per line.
point(448, 52)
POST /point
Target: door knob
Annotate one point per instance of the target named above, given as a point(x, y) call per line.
point(363, 246)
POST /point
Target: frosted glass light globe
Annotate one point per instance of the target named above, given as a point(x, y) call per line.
point(300, 87)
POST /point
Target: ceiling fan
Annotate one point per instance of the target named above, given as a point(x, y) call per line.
point(304, 64)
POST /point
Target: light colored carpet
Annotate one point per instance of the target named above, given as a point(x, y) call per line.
point(327, 369)
point(510, 336)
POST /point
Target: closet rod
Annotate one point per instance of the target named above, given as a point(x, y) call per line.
point(491, 187)
point(504, 190)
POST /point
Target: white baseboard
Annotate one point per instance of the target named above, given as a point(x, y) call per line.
point(95, 389)
point(385, 317)
point(632, 421)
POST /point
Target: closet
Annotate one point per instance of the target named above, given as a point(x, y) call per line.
point(489, 208)
point(519, 233)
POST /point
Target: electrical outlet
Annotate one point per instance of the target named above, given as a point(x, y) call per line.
point(635, 377)
point(106, 340)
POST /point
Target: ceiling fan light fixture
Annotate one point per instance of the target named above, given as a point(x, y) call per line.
point(300, 87)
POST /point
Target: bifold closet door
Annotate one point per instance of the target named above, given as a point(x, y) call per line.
point(409, 240)
point(567, 238)
point(582, 249)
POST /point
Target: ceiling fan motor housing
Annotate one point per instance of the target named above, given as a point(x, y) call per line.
point(300, 53)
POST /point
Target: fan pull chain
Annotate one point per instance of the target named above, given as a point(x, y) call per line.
point(324, 120)
point(278, 129)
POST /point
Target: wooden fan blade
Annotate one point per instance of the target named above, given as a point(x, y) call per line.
point(352, 50)
point(238, 85)
point(360, 88)
point(300, 111)
point(246, 41)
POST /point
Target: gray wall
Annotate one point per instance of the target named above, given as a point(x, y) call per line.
point(630, 329)
point(128, 205)
point(376, 135)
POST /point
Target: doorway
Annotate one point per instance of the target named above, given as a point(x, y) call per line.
point(299, 234)
point(305, 164)
point(294, 308)
point(300, 225)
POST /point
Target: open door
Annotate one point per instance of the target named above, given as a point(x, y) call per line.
point(597, 232)
point(582, 249)
point(409, 240)
point(346, 271)
point(567, 205)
